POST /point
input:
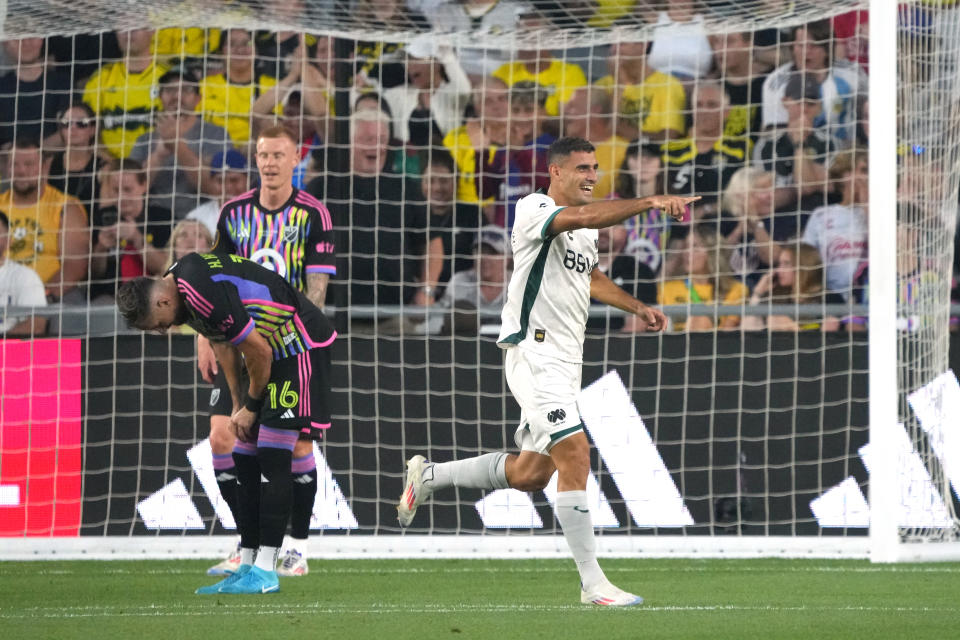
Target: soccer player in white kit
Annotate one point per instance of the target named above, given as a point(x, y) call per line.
point(544, 319)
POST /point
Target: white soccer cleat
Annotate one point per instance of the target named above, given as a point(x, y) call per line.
point(414, 491)
point(228, 566)
point(293, 564)
point(607, 595)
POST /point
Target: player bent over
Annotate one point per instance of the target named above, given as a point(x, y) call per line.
point(544, 320)
point(245, 309)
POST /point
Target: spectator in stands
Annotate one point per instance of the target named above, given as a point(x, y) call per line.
point(189, 236)
point(839, 231)
point(230, 178)
point(31, 94)
point(452, 226)
point(628, 272)
point(130, 235)
point(383, 232)
point(641, 175)
point(863, 121)
point(73, 168)
point(123, 94)
point(300, 98)
point(748, 198)
point(838, 83)
point(480, 16)
point(431, 103)
point(48, 228)
point(520, 167)
point(648, 101)
point(800, 155)
point(486, 131)
point(557, 77)
point(680, 46)
point(178, 150)
point(703, 163)
point(797, 279)
point(742, 77)
point(226, 99)
point(20, 286)
point(483, 287)
point(589, 115)
point(707, 281)
point(84, 53)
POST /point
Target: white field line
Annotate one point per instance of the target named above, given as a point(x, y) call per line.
point(266, 608)
point(641, 567)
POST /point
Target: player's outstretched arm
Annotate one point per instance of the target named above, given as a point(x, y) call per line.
point(603, 289)
point(606, 213)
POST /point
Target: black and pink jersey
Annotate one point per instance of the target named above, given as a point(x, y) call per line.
point(227, 297)
point(294, 240)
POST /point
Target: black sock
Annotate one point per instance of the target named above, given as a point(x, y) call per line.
point(248, 498)
point(227, 481)
point(276, 494)
point(304, 495)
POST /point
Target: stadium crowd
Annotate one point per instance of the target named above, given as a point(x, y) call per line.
point(119, 149)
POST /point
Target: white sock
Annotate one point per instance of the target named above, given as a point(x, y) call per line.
point(247, 556)
point(298, 545)
point(267, 558)
point(482, 472)
point(574, 516)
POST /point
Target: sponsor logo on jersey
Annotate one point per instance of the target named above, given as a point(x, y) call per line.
point(557, 415)
point(214, 396)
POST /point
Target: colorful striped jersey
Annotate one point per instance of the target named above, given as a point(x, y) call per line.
point(227, 297)
point(295, 240)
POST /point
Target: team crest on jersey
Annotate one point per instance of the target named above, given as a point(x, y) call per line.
point(539, 335)
point(290, 233)
point(214, 396)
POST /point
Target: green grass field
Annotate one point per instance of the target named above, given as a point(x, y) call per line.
point(394, 599)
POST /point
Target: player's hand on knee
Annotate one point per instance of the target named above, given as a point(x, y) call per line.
point(242, 421)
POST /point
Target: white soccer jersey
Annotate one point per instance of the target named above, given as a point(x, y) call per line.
point(549, 293)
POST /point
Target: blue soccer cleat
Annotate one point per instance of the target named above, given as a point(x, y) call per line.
point(241, 571)
point(256, 580)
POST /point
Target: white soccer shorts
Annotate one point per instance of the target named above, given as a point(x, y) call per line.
point(546, 390)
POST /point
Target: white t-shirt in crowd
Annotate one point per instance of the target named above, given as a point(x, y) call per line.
point(840, 235)
point(680, 48)
point(20, 286)
point(208, 214)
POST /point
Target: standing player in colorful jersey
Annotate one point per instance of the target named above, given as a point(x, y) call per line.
point(544, 319)
point(245, 309)
point(290, 232)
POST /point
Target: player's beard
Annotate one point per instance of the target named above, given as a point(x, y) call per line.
point(182, 314)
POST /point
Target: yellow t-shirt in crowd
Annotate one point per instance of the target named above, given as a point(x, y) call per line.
point(659, 103)
point(678, 292)
point(464, 155)
point(229, 104)
point(610, 153)
point(560, 79)
point(35, 229)
point(176, 42)
point(125, 103)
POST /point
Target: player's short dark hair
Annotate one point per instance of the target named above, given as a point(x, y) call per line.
point(133, 300)
point(563, 147)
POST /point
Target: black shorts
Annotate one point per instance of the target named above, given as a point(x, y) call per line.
point(297, 395)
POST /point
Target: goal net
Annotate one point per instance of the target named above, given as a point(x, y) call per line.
point(749, 427)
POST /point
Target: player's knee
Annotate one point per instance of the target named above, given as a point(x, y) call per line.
point(302, 448)
point(221, 436)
